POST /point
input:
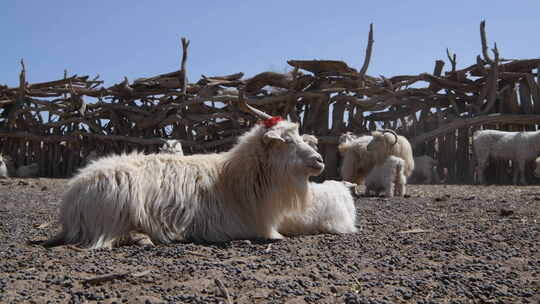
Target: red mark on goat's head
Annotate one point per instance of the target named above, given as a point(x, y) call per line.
point(270, 122)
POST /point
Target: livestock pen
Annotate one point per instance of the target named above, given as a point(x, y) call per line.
point(57, 123)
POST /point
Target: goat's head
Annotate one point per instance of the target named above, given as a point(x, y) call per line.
point(382, 142)
point(347, 137)
point(355, 160)
point(171, 146)
point(284, 145)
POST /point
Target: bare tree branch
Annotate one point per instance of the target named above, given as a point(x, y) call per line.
point(183, 68)
point(484, 41)
point(369, 49)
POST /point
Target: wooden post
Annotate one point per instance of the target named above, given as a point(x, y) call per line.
point(525, 97)
point(463, 172)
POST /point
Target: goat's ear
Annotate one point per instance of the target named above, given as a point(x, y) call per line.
point(272, 136)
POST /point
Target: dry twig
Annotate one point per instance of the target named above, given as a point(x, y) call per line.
point(224, 291)
point(115, 276)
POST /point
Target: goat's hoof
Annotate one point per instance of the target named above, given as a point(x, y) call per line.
point(274, 235)
point(141, 239)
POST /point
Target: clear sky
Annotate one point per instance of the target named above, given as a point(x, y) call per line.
point(142, 38)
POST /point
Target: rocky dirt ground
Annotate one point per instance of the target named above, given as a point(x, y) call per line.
point(443, 244)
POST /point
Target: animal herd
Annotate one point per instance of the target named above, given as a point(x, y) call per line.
point(259, 189)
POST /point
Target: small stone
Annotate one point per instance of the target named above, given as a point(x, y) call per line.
point(506, 212)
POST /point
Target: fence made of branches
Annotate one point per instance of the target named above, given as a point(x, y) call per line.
point(58, 123)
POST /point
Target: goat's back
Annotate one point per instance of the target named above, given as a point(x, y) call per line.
point(403, 150)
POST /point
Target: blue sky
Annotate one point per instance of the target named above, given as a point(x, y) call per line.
point(142, 38)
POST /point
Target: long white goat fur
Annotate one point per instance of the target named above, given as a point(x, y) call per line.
point(388, 177)
point(239, 194)
point(519, 147)
point(331, 210)
point(311, 140)
point(356, 162)
point(384, 144)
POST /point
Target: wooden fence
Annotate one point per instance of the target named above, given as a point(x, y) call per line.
point(57, 123)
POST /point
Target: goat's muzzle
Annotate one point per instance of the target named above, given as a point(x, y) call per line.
point(316, 163)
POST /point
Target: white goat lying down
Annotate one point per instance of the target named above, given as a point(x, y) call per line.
point(330, 210)
point(388, 177)
point(239, 194)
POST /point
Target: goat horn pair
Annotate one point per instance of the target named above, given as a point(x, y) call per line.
point(393, 133)
point(249, 109)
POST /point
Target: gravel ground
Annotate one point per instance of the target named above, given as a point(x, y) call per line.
point(443, 244)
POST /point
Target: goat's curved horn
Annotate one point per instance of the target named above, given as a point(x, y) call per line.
point(242, 104)
point(393, 133)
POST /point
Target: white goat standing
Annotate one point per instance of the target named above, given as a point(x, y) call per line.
point(388, 177)
point(239, 194)
point(519, 147)
point(330, 210)
point(172, 146)
point(386, 143)
point(356, 163)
